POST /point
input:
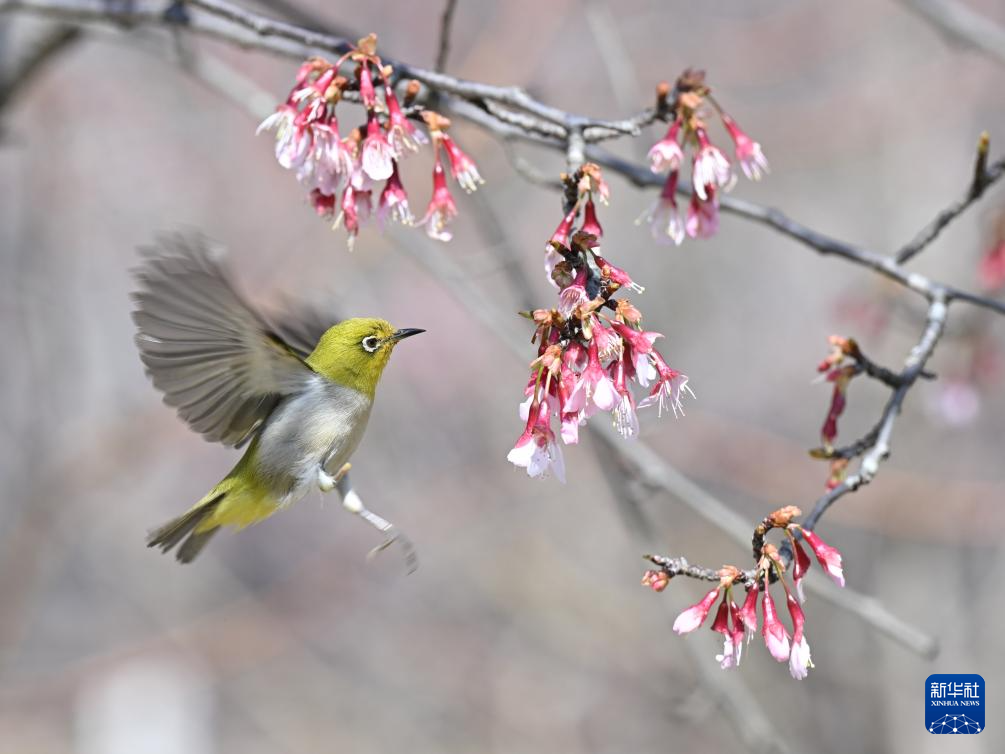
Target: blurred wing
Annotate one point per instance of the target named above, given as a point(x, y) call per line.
point(301, 325)
point(215, 360)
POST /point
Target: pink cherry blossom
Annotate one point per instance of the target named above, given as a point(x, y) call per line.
point(377, 157)
point(829, 557)
point(617, 275)
point(597, 385)
point(669, 388)
point(401, 134)
point(462, 167)
point(666, 154)
point(695, 615)
point(748, 613)
point(591, 224)
point(748, 152)
point(573, 295)
point(703, 215)
point(441, 210)
point(710, 169)
point(776, 637)
point(537, 449)
point(732, 644)
point(394, 201)
point(663, 217)
point(801, 564)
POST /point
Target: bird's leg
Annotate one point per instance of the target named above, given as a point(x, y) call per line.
point(326, 481)
point(352, 503)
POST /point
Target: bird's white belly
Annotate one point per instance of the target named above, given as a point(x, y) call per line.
point(322, 426)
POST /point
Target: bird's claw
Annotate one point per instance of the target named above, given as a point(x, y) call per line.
point(411, 560)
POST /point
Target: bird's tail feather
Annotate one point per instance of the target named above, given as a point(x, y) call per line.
point(184, 528)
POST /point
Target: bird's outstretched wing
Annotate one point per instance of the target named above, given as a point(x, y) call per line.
point(301, 324)
point(216, 361)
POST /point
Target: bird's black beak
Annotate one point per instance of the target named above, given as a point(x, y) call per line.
point(406, 332)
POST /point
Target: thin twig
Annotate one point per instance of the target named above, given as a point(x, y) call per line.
point(444, 47)
point(23, 69)
point(983, 177)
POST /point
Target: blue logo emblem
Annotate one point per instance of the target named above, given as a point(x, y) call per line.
point(954, 703)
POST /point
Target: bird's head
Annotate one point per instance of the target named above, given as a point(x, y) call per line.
point(355, 351)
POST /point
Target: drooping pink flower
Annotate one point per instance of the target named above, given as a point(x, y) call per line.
point(799, 656)
point(573, 295)
point(703, 215)
point(695, 615)
point(329, 163)
point(748, 152)
point(314, 90)
point(608, 343)
point(711, 168)
point(356, 210)
point(591, 224)
point(737, 630)
point(441, 210)
point(663, 217)
point(731, 648)
point(293, 137)
point(401, 134)
point(537, 449)
point(776, 637)
point(641, 341)
point(828, 557)
point(377, 157)
point(462, 167)
point(666, 153)
point(394, 201)
point(669, 388)
point(800, 661)
point(800, 566)
point(561, 237)
point(597, 385)
point(324, 204)
point(748, 613)
point(626, 419)
point(562, 232)
point(617, 275)
point(366, 90)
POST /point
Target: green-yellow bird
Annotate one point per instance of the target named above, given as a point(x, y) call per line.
point(300, 399)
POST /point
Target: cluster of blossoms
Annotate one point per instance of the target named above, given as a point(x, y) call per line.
point(711, 171)
point(839, 367)
point(591, 346)
point(308, 141)
point(733, 622)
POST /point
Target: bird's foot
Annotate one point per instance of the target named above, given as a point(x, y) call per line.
point(352, 503)
point(327, 482)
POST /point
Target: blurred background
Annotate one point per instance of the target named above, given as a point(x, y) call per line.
point(525, 628)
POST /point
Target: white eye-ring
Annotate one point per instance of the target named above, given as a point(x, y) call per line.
point(370, 343)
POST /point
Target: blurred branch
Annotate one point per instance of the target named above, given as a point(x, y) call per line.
point(983, 176)
point(16, 74)
point(444, 46)
point(962, 25)
point(508, 112)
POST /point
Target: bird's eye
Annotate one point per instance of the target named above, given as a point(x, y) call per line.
point(370, 343)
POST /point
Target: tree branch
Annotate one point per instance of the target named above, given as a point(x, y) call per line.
point(444, 46)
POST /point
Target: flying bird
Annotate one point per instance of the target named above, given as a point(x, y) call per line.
point(298, 395)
